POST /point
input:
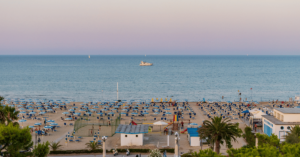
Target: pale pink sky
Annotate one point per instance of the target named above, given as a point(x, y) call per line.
point(150, 26)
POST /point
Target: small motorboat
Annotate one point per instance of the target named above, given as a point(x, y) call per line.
point(145, 64)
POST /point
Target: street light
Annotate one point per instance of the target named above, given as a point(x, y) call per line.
point(177, 138)
point(104, 138)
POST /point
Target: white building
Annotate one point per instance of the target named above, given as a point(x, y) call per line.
point(281, 121)
point(132, 135)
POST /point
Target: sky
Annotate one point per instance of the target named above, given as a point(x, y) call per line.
point(152, 27)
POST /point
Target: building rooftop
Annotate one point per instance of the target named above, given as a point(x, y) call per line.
point(193, 132)
point(278, 122)
point(132, 129)
point(288, 110)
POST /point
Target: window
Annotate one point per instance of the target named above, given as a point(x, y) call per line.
point(136, 135)
point(125, 135)
point(281, 127)
point(288, 127)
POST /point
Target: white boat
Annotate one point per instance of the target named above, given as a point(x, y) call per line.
point(145, 64)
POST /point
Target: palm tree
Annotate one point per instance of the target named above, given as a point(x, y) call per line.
point(55, 146)
point(92, 145)
point(10, 113)
point(220, 130)
point(293, 136)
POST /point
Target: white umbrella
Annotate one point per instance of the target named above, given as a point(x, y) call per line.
point(160, 123)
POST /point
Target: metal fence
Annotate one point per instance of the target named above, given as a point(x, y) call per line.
point(90, 126)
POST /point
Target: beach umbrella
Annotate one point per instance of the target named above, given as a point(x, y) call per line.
point(167, 109)
point(145, 113)
point(146, 109)
point(68, 118)
point(82, 110)
point(85, 107)
point(116, 106)
point(111, 113)
point(56, 107)
point(100, 113)
point(49, 110)
point(74, 107)
point(169, 113)
point(93, 110)
point(155, 106)
point(54, 124)
point(47, 127)
point(77, 113)
point(246, 111)
point(50, 121)
point(32, 113)
point(136, 106)
point(30, 127)
point(95, 107)
point(103, 109)
point(134, 113)
point(40, 109)
point(160, 123)
point(65, 113)
point(156, 112)
point(37, 124)
point(124, 109)
point(22, 120)
point(89, 113)
point(114, 109)
point(123, 113)
point(22, 112)
point(156, 109)
point(31, 109)
point(42, 113)
point(72, 110)
point(135, 109)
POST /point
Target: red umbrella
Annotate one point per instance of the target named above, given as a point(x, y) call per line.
point(282, 102)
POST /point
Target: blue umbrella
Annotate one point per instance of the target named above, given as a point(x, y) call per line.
point(50, 121)
point(82, 110)
point(74, 107)
point(116, 106)
point(85, 107)
point(124, 109)
point(93, 110)
point(56, 107)
point(100, 113)
point(193, 124)
point(123, 113)
point(246, 111)
point(42, 112)
point(77, 113)
point(65, 113)
point(113, 109)
point(53, 124)
point(22, 120)
point(40, 109)
point(89, 113)
point(167, 109)
point(111, 113)
point(68, 119)
point(23, 112)
point(146, 109)
point(37, 124)
point(31, 109)
point(134, 113)
point(47, 127)
point(30, 127)
point(95, 107)
point(168, 113)
point(156, 112)
point(145, 113)
point(72, 110)
point(32, 113)
point(49, 110)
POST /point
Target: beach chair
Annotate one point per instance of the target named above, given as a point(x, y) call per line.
point(71, 124)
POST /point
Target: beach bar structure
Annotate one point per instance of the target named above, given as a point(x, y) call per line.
point(281, 121)
point(132, 135)
point(193, 136)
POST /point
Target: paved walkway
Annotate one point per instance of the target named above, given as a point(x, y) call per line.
point(110, 155)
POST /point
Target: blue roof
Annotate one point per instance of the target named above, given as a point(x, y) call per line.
point(193, 132)
point(132, 129)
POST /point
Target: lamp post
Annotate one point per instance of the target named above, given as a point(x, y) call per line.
point(104, 149)
point(177, 138)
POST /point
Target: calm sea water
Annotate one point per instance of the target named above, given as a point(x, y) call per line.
point(180, 77)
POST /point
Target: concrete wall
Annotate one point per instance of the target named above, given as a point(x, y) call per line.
point(132, 140)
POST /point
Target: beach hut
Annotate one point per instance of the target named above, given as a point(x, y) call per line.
point(193, 137)
point(132, 135)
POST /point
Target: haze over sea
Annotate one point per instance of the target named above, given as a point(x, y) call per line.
point(180, 77)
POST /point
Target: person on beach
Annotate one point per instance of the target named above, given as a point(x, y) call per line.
point(99, 127)
point(181, 123)
point(255, 126)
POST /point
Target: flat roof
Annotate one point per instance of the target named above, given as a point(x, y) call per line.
point(275, 121)
point(288, 110)
point(132, 129)
point(193, 132)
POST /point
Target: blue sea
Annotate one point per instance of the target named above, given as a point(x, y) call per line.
point(81, 78)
